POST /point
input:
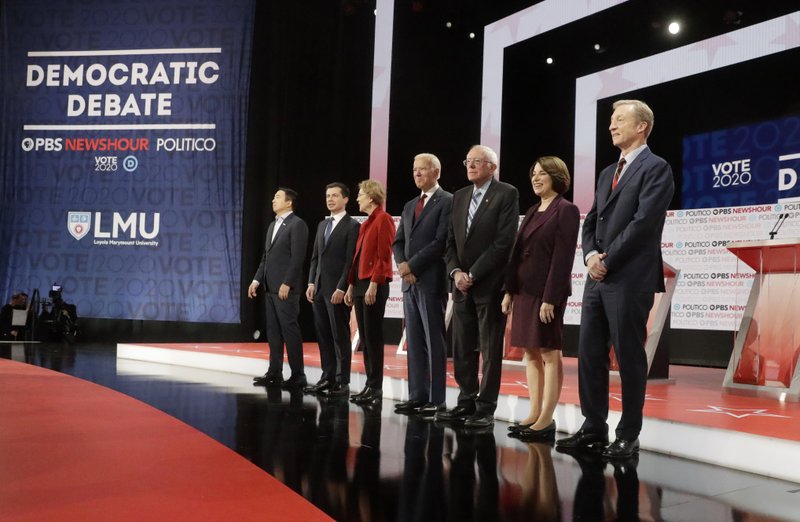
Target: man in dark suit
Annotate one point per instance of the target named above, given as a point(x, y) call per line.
point(622, 249)
point(419, 253)
point(480, 236)
point(281, 273)
point(331, 260)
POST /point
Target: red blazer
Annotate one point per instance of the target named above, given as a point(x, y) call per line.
point(374, 249)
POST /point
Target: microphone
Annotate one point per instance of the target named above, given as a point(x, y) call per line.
point(778, 224)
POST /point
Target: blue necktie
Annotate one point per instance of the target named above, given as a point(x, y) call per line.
point(473, 207)
point(328, 230)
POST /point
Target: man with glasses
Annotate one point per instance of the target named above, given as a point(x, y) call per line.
point(483, 225)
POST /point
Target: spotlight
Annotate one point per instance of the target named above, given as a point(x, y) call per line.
point(448, 25)
point(471, 36)
point(549, 61)
point(674, 28)
point(597, 47)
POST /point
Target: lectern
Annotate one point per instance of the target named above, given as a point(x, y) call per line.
point(764, 360)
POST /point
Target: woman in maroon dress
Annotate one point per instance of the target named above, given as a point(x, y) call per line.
point(538, 283)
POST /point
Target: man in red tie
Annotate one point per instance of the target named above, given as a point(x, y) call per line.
point(418, 249)
point(622, 250)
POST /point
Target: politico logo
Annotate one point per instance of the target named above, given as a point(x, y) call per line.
point(79, 223)
point(137, 228)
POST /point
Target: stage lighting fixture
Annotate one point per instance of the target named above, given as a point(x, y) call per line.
point(549, 61)
point(448, 25)
point(674, 28)
point(471, 36)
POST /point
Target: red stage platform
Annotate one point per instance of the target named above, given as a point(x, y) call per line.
point(690, 417)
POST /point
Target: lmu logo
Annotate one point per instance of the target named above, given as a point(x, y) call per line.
point(136, 225)
point(78, 223)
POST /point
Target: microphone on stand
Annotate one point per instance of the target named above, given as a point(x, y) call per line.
point(778, 224)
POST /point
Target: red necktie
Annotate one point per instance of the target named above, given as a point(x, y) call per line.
point(617, 174)
point(419, 207)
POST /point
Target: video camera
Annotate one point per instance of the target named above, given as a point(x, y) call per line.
point(59, 318)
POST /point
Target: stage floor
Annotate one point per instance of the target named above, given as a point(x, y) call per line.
point(690, 416)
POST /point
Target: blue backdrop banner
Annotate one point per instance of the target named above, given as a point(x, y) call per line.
point(123, 128)
point(747, 165)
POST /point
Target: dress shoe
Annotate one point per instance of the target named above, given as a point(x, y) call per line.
point(374, 395)
point(515, 427)
point(547, 434)
point(459, 413)
point(337, 390)
point(268, 380)
point(429, 409)
point(408, 406)
point(296, 383)
point(583, 440)
point(622, 449)
point(319, 387)
point(359, 394)
point(479, 421)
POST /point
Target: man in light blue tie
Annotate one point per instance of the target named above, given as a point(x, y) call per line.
point(481, 232)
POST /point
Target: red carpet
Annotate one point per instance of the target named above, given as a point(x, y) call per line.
point(73, 450)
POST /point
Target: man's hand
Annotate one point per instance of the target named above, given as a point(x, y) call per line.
point(283, 292)
point(251, 291)
point(410, 279)
point(463, 281)
point(597, 269)
point(348, 297)
point(310, 293)
point(337, 297)
point(403, 269)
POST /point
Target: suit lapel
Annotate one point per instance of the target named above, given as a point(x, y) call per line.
point(426, 209)
point(545, 216)
point(632, 173)
point(487, 198)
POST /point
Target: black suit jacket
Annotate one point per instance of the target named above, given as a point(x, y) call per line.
point(422, 243)
point(282, 262)
point(331, 263)
point(626, 223)
point(485, 251)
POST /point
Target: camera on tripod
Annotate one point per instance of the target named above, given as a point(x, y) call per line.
point(59, 318)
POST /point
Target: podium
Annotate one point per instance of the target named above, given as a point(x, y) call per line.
point(657, 355)
point(764, 360)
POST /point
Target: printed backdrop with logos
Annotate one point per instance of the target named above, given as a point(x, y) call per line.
point(123, 128)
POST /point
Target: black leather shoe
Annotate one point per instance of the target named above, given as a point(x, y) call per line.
point(408, 406)
point(268, 380)
point(359, 394)
point(622, 449)
point(583, 440)
point(319, 387)
point(295, 383)
point(547, 434)
point(374, 395)
point(429, 409)
point(459, 413)
point(479, 421)
point(516, 427)
point(337, 390)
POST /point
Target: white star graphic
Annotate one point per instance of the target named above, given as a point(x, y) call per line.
point(740, 413)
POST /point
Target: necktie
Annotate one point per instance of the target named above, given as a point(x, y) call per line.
point(419, 207)
point(328, 230)
point(473, 207)
point(275, 229)
point(617, 174)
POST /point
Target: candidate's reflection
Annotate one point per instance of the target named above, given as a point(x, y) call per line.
point(328, 474)
point(366, 476)
point(538, 483)
point(421, 490)
point(466, 501)
point(597, 498)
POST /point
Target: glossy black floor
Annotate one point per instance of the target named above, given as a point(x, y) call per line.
point(402, 468)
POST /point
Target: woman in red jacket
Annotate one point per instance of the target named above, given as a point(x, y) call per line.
point(538, 282)
point(369, 284)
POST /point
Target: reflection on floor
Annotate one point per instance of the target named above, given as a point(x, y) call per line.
point(371, 464)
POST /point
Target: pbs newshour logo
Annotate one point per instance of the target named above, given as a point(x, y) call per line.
point(115, 228)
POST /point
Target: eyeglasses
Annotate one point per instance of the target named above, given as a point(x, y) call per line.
point(476, 161)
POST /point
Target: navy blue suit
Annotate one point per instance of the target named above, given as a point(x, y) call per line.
point(330, 265)
point(625, 224)
point(421, 243)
